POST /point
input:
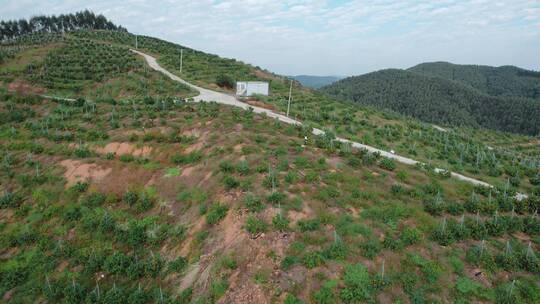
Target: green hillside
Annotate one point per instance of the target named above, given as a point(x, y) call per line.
point(440, 101)
point(505, 81)
point(130, 195)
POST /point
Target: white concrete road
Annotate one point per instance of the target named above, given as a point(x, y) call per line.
point(209, 95)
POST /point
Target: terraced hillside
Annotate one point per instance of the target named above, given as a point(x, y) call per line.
point(461, 149)
point(199, 202)
point(130, 195)
point(64, 65)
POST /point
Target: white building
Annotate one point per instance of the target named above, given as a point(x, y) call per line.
point(250, 88)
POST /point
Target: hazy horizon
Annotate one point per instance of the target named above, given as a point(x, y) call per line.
point(327, 38)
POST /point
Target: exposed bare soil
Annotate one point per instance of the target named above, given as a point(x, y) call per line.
point(23, 87)
point(125, 148)
point(77, 171)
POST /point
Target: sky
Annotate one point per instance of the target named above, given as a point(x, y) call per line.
point(322, 37)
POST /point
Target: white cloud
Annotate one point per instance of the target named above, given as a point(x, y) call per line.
point(320, 37)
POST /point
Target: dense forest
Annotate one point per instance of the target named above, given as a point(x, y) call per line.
point(507, 81)
point(438, 100)
point(55, 24)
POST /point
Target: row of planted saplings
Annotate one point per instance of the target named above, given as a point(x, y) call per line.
point(501, 201)
point(513, 257)
point(451, 230)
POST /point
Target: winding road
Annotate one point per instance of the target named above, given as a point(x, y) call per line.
point(209, 95)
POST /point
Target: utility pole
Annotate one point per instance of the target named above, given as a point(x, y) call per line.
point(181, 59)
point(289, 104)
point(136, 42)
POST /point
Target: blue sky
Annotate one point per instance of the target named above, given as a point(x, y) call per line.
point(343, 37)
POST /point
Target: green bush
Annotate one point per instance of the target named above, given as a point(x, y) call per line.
point(127, 158)
point(338, 250)
point(226, 167)
point(190, 158)
point(230, 182)
point(276, 198)
point(410, 236)
point(290, 299)
point(434, 206)
point(313, 259)
point(288, 262)
point(255, 225)
point(280, 222)
point(357, 284)
point(388, 164)
point(308, 225)
point(253, 203)
point(326, 294)
point(371, 248)
point(216, 213)
point(225, 81)
point(131, 197)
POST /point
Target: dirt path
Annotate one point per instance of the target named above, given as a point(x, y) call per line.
point(209, 95)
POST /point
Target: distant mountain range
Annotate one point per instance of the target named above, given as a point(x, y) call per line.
point(316, 82)
point(501, 98)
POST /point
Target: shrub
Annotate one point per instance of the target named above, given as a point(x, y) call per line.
point(127, 158)
point(388, 164)
point(255, 225)
point(371, 248)
point(288, 262)
point(397, 189)
point(131, 197)
point(94, 199)
point(10, 200)
point(80, 187)
point(225, 81)
point(410, 236)
point(280, 222)
point(467, 287)
point(313, 259)
point(290, 299)
point(357, 284)
point(326, 295)
point(230, 182)
point(455, 208)
point(178, 265)
point(308, 225)
point(135, 236)
point(243, 168)
point(336, 251)
point(291, 177)
point(434, 206)
point(226, 166)
point(72, 213)
point(253, 203)
point(276, 198)
point(190, 158)
point(82, 152)
point(216, 213)
point(144, 204)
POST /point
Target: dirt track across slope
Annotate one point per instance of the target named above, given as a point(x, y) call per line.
point(209, 95)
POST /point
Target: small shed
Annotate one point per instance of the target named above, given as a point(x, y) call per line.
point(250, 88)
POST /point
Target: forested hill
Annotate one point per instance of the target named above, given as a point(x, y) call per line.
point(55, 24)
point(507, 81)
point(438, 100)
point(316, 82)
